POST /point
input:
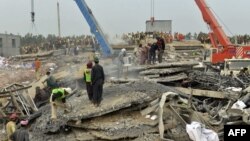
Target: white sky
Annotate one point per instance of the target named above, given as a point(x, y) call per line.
point(119, 16)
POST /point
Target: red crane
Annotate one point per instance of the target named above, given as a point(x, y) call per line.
point(219, 40)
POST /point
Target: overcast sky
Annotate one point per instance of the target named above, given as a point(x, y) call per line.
point(119, 16)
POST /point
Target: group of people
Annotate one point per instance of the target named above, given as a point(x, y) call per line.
point(38, 43)
point(136, 38)
point(147, 54)
point(14, 134)
point(55, 93)
point(94, 78)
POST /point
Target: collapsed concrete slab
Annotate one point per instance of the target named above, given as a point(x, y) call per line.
point(171, 78)
point(163, 71)
point(173, 64)
point(115, 97)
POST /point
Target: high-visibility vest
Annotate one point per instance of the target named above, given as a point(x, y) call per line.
point(61, 91)
point(87, 73)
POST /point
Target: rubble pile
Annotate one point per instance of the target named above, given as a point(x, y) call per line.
point(215, 81)
point(168, 72)
point(139, 109)
point(135, 111)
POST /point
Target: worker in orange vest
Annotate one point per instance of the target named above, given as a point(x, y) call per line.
point(37, 65)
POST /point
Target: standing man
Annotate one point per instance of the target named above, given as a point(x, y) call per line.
point(87, 79)
point(97, 79)
point(37, 64)
point(21, 134)
point(161, 48)
point(58, 99)
point(152, 53)
point(120, 62)
point(11, 125)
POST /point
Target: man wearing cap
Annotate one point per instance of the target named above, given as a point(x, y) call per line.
point(21, 134)
point(58, 99)
point(161, 48)
point(97, 79)
point(11, 125)
point(51, 81)
point(87, 79)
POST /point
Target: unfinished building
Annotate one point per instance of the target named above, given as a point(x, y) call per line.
point(9, 45)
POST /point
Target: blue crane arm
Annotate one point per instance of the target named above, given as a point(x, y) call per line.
point(94, 27)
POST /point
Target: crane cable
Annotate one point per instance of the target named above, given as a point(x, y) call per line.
point(32, 13)
point(226, 27)
point(152, 18)
point(152, 8)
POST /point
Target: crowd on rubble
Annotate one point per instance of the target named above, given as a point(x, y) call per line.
point(38, 43)
point(135, 38)
point(240, 39)
point(149, 53)
point(237, 39)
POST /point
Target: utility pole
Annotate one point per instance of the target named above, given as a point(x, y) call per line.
point(58, 19)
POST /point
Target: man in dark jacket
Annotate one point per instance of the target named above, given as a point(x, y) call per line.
point(41, 96)
point(152, 53)
point(97, 79)
point(161, 48)
point(21, 134)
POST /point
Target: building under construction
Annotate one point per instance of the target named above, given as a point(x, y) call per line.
point(9, 45)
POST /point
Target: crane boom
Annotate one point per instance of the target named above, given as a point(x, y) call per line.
point(218, 36)
point(218, 33)
point(94, 27)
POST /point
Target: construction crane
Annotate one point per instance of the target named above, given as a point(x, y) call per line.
point(92, 22)
point(223, 48)
point(94, 27)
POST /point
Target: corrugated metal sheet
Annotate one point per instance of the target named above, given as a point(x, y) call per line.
point(159, 26)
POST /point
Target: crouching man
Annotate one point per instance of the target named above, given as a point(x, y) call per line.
point(58, 99)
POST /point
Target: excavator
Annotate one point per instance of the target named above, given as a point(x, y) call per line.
point(233, 57)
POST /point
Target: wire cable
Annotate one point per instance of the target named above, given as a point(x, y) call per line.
point(226, 27)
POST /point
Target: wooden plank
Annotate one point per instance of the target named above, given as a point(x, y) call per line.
point(148, 110)
point(205, 93)
point(4, 95)
point(14, 101)
point(2, 113)
point(17, 89)
point(46, 54)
